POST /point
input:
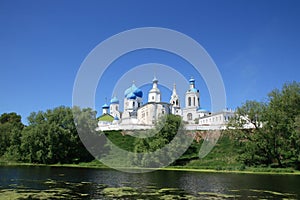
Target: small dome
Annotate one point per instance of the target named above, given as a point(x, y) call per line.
point(131, 95)
point(116, 118)
point(114, 100)
point(201, 110)
point(193, 90)
point(105, 106)
point(192, 80)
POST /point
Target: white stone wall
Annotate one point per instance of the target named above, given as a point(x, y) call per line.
point(151, 112)
point(114, 110)
point(189, 115)
point(216, 118)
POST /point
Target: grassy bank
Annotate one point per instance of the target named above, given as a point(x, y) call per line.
point(92, 165)
point(223, 158)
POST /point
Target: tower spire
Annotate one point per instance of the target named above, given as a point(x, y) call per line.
point(174, 90)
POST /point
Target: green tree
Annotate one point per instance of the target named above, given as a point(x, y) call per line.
point(281, 115)
point(274, 136)
point(246, 130)
point(51, 136)
point(10, 132)
point(165, 131)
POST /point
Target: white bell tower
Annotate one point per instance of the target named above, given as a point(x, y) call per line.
point(154, 93)
point(192, 99)
point(175, 102)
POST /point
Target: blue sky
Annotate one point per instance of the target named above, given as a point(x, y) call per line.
point(255, 44)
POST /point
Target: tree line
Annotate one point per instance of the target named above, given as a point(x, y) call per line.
point(50, 137)
point(274, 137)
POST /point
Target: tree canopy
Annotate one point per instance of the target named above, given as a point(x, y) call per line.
point(274, 139)
point(50, 137)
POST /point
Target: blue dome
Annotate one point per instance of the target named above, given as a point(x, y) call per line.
point(138, 92)
point(114, 100)
point(193, 90)
point(116, 118)
point(105, 106)
point(133, 89)
point(131, 95)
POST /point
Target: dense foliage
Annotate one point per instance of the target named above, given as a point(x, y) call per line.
point(50, 137)
point(161, 137)
point(274, 139)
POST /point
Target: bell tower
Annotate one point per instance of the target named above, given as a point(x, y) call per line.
point(175, 102)
point(154, 93)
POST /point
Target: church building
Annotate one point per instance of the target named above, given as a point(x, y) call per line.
point(137, 115)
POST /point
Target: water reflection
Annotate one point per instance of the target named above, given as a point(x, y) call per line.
point(100, 183)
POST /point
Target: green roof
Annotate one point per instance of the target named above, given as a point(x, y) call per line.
point(106, 117)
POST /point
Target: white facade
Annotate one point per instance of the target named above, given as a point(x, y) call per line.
point(150, 112)
point(219, 118)
point(137, 115)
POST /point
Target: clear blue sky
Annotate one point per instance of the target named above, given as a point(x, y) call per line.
point(255, 44)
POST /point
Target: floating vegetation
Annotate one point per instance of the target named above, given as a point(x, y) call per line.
point(274, 194)
point(120, 192)
point(150, 192)
point(218, 195)
point(58, 189)
point(57, 193)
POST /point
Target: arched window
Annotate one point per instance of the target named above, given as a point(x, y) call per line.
point(189, 116)
point(189, 101)
point(177, 103)
point(194, 101)
point(133, 104)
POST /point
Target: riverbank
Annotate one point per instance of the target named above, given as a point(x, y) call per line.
point(92, 165)
point(222, 159)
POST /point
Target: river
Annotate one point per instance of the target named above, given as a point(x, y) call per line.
point(83, 183)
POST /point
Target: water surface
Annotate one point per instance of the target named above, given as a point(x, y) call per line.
point(78, 183)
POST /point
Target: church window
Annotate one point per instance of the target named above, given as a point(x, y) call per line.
point(152, 97)
point(116, 107)
point(177, 102)
point(189, 101)
point(194, 101)
point(133, 104)
point(189, 116)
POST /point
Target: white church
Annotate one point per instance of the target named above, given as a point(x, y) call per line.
point(140, 116)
